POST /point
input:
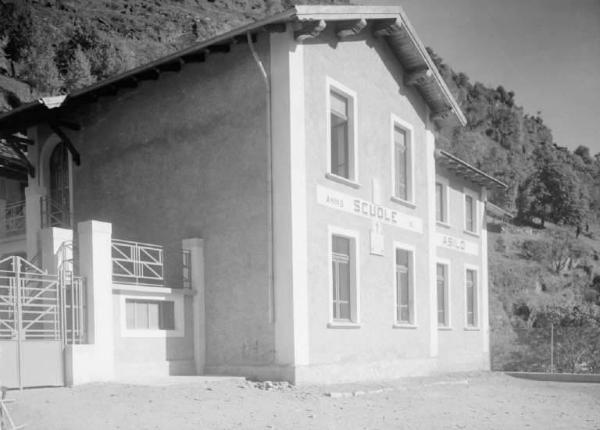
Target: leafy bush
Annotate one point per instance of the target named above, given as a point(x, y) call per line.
point(534, 250)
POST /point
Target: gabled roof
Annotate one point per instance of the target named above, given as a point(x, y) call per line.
point(466, 171)
point(387, 22)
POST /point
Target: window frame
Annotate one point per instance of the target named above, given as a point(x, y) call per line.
point(397, 122)
point(447, 291)
point(413, 323)
point(446, 195)
point(178, 316)
point(475, 212)
point(353, 235)
point(477, 294)
point(350, 95)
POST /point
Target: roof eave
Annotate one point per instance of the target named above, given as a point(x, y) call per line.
point(484, 178)
point(299, 12)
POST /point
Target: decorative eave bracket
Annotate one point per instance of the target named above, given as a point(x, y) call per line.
point(441, 115)
point(350, 29)
point(388, 27)
point(308, 30)
point(418, 77)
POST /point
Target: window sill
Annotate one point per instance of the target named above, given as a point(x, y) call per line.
point(405, 326)
point(151, 333)
point(344, 181)
point(442, 224)
point(403, 202)
point(471, 233)
point(444, 328)
point(343, 325)
point(472, 329)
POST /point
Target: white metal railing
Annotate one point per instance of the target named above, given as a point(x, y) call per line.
point(54, 214)
point(14, 217)
point(137, 263)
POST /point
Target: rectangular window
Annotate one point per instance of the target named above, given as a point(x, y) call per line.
point(471, 287)
point(440, 203)
point(401, 163)
point(470, 217)
point(150, 314)
point(342, 267)
point(442, 295)
point(404, 293)
point(340, 140)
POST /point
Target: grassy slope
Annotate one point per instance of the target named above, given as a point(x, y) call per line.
point(521, 285)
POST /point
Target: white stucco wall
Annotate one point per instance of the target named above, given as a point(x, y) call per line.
point(374, 348)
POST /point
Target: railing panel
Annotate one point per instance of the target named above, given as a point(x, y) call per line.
point(54, 214)
point(14, 218)
point(137, 263)
point(37, 306)
point(145, 264)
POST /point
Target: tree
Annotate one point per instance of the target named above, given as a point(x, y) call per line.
point(78, 73)
point(40, 69)
point(16, 23)
point(553, 192)
point(584, 153)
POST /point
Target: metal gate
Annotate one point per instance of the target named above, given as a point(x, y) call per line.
point(39, 314)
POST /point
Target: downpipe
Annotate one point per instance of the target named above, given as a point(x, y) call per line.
point(269, 142)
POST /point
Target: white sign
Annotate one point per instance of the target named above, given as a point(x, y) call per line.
point(457, 244)
point(365, 209)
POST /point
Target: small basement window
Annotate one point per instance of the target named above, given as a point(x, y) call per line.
point(144, 314)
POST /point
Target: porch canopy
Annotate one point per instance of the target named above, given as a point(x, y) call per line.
point(465, 170)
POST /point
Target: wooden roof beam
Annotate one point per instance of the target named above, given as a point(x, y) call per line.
point(388, 27)
point(418, 77)
point(17, 139)
point(130, 82)
point(67, 142)
point(344, 30)
point(222, 48)
point(22, 157)
point(308, 30)
point(68, 124)
point(441, 114)
point(13, 173)
point(279, 27)
point(172, 66)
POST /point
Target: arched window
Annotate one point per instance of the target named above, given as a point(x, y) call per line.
point(58, 205)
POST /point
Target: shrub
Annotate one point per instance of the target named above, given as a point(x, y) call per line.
point(534, 250)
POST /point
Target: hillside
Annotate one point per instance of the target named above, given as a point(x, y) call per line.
point(543, 276)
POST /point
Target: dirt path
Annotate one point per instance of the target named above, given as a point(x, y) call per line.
point(488, 401)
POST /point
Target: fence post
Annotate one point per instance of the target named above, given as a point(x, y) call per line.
point(52, 238)
point(95, 265)
point(551, 347)
point(196, 248)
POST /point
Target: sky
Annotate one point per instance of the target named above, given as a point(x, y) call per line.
point(546, 51)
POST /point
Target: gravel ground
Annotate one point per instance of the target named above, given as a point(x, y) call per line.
point(474, 401)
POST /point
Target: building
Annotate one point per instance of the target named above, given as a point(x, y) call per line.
point(293, 159)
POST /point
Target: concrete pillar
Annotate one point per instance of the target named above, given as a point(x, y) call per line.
point(485, 322)
point(290, 247)
point(56, 248)
point(95, 265)
point(432, 249)
point(196, 248)
point(33, 220)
